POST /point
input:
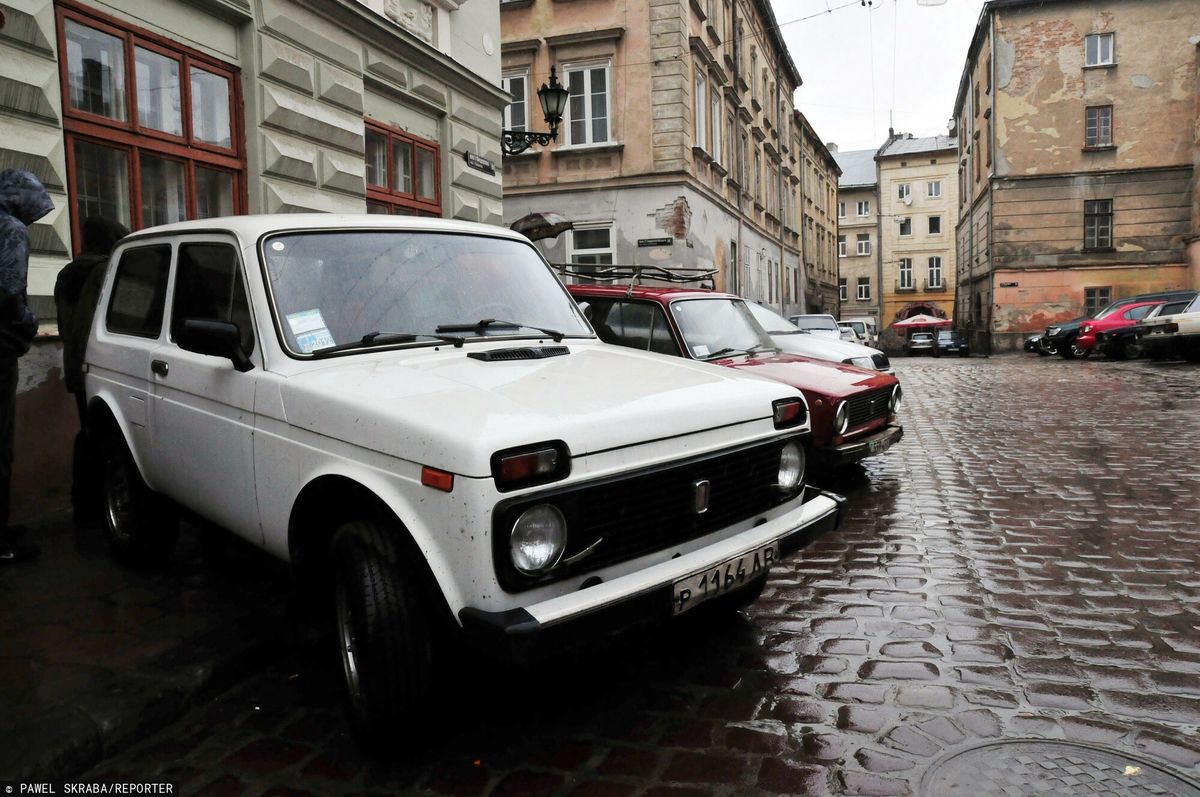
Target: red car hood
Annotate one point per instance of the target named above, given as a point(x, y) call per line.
point(833, 380)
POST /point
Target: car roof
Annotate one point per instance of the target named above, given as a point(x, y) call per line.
point(251, 228)
point(654, 292)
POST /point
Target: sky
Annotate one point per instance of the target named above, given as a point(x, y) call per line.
point(838, 51)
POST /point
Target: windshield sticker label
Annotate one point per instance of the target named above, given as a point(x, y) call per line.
point(310, 331)
point(700, 350)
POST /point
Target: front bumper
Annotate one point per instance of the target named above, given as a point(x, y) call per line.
point(869, 446)
point(641, 598)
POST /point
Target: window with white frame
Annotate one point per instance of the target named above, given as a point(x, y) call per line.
point(903, 191)
point(864, 243)
point(841, 246)
point(591, 245)
point(715, 121)
point(701, 104)
point(843, 291)
point(841, 210)
point(905, 225)
point(1098, 49)
point(587, 119)
point(516, 113)
point(864, 288)
point(906, 273)
point(935, 272)
point(864, 207)
point(933, 188)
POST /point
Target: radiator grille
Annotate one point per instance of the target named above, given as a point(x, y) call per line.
point(868, 406)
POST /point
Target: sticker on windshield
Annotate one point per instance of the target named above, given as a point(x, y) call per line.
point(700, 350)
point(310, 331)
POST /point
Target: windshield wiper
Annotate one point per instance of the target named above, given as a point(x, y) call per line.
point(372, 338)
point(484, 323)
point(725, 351)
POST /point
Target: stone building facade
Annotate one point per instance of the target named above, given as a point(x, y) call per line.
point(858, 235)
point(679, 147)
point(819, 225)
point(1076, 184)
point(918, 211)
point(151, 112)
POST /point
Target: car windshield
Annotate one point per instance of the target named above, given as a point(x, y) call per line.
point(374, 287)
point(717, 327)
point(815, 322)
point(771, 321)
point(945, 334)
point(859, 327)
point(1194, 307)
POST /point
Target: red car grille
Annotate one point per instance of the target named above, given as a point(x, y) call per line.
point(866, 407)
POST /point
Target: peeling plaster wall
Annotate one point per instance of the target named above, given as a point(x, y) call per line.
point(1044, 88)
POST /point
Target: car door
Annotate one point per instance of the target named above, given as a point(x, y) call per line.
point(638, 325)
point(204, 408)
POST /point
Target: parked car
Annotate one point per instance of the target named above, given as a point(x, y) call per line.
point(865, 328)
point(1176, 335)
point(1124, 342)
point(848, 334)
point(818, 324)
point(1063, 337)
point(1121, 316)
point(920, 343)
point(415, 412)
point(951, 341)
point(794, 340)
point(1036, 344)
point(853, 409)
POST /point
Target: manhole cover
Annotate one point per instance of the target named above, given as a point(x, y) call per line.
point(1062, 769)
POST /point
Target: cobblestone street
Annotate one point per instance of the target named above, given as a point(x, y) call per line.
point(1023, 565)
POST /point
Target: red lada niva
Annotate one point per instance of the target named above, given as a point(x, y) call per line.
point(853, 410)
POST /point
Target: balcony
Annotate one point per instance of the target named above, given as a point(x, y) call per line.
point(935, 287)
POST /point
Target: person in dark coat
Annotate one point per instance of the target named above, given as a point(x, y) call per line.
point(76, 293)
point(23, 201)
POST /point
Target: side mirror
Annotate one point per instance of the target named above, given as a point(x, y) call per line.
point(215, 338)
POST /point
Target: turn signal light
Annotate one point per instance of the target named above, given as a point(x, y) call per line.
point(788, 413)
point(437, 479)
point(526, 466)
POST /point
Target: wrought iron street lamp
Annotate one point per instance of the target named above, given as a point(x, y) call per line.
point(553, 99)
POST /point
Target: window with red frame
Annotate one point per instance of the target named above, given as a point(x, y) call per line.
point(153, 129)
point(403, 173)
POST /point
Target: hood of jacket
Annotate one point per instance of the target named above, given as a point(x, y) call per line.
point(23, 196)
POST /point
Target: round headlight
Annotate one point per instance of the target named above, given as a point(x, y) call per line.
point(538, 539)
point(841, 419)
point(791, 468)
point(862, 362)
point(897, 394)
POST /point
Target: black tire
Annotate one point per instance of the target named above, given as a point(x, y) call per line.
point(1067, 349)
point(1130, 350)
point(964, 352)
point(384, 638)
point(140, 525)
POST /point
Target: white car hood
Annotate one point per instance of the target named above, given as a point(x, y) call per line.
point(822, 348)
point(444, 409)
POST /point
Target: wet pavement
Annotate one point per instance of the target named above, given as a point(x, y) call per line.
point(1021, 567)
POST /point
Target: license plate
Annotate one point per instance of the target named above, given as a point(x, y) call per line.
point(882, 444)
point(727, 576)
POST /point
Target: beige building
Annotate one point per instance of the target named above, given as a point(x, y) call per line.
point(150, 113)
point(918, 211)
point(1078, 130)
point(819, 226)
point(678, 147)
point(857, 243)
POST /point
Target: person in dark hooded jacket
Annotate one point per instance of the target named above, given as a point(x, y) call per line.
point(76, 293)
point(23, 201)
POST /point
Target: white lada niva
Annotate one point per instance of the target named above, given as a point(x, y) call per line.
point(416, 413)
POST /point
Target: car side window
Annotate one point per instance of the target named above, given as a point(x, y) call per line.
point(1138, 313)
point(139, 292)
point(209, 287)
point(638, 325)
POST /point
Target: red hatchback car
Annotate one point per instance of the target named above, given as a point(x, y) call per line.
point(853, 410)
point(1116, 317)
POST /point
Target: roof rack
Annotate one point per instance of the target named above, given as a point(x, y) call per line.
point(635, 274)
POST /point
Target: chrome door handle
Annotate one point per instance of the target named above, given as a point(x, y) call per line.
point(159, 367)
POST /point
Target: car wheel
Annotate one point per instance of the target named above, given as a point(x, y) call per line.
point(1067, 350)
point(140, 525)
point(1080, 352)
point(383, 635)
point(964, 352)
point(1130, 350)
